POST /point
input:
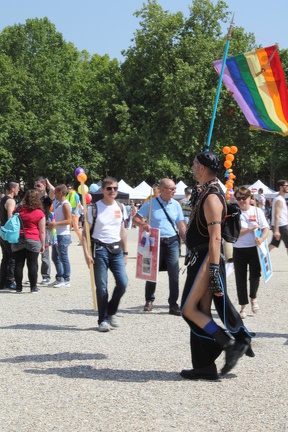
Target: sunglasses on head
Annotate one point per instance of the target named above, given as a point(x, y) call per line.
point(242, 198)
point(110, 188)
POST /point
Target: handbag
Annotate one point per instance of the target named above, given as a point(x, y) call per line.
point(113, 248)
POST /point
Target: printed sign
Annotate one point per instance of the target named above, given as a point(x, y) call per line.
point(264, 257)
point(148, 255)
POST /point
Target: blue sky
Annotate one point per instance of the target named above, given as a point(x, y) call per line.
point(107, 26)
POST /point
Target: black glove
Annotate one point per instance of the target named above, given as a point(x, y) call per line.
point(214, 279)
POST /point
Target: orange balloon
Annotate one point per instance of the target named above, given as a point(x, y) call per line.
point(226, 150)
point(229, 185)
point(227, 164)
point(230, 157)
point(230, 176)
point(81, 177)
point(233, 149)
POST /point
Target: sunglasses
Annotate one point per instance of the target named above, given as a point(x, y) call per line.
point(110, 188)
point(37, 185)
point(171, 189)
point(242, 198)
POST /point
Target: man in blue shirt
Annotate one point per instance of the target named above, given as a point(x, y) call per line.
point(164, 207)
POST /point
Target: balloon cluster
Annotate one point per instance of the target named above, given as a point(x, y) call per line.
point(82, 177)
point(230, 177)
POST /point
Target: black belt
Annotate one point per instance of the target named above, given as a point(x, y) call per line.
point(168, 240)
point(199, 247)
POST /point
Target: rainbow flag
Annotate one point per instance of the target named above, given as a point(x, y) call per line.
point(257, 82)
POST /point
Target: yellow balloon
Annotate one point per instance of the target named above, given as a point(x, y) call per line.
point(80, 189)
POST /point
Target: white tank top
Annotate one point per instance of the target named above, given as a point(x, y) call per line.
point(283, 216)
point(59, 216)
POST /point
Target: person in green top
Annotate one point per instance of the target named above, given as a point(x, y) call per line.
point(74, 200)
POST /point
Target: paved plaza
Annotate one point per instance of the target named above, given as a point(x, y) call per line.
point(58, 373)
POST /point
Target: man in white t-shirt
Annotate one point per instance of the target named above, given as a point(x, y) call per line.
point(279, 220)
point(109, 251)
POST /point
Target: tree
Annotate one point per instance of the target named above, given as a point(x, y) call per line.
point(170, 87)
point(46, 130)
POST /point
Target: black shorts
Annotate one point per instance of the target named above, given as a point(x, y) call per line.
point(284, 236)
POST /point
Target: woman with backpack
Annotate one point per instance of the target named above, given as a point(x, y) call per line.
point(32, 239)
point(245, 250)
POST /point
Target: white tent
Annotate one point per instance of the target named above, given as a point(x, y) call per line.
point(124, 187)
point(223, 187)
point(142, 191)
point(180, 194)
point(268, 193)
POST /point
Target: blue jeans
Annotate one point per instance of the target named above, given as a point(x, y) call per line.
point(104, 260)
point(45, 257)
point(60, 257)
point(169, 255)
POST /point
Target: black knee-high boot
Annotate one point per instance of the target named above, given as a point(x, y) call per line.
point(233, 349)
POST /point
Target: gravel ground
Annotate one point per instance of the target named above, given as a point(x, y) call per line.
point(59, 373)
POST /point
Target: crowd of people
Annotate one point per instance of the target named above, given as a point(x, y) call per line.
point(48, 214)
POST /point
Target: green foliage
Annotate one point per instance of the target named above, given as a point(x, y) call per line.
point(143, 119)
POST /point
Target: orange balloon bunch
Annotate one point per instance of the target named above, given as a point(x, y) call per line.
point(229, 153)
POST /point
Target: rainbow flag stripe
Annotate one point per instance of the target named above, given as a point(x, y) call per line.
point(257, 82)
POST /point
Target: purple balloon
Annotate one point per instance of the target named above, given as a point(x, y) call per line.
point(79, 170)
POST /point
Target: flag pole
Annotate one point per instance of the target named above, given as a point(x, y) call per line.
point(88, 239)
point(229, 36)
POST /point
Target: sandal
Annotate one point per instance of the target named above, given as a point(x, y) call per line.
point(254, 305)
point(243, 312)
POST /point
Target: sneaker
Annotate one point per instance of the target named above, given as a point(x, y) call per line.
point(34, 290)
point(114, 322)
point(62, 284)
point(12, 286)
point(104, 327)
point(55, 283)
point(45, 282)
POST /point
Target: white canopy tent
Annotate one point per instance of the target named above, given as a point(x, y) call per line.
point(124, 187)
point(268, 193)
point(142, 191)
point(223, 187)
point(180, 194)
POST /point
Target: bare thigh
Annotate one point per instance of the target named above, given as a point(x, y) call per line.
point(197, 307)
